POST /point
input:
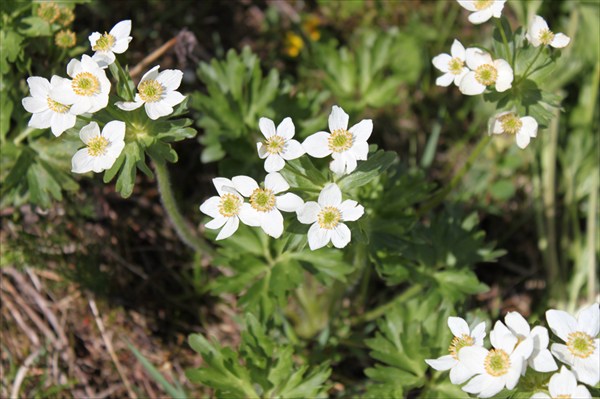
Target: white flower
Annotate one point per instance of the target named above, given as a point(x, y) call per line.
point(47, 112)
point(88, 90)
point(227, 209)
point(102, 149)
point(345, 146)
point(265, 204)
point(482, 10)
point(541, 359)
point(497, 368)
point(522, 128)
point(463, 337)
point(107, 44)
point(539, 33)
point(157, 92)
point(452, 65)
point(485, 72)
point(327, 216)
point(564, 385)
point(581, 351)
point(278, 146)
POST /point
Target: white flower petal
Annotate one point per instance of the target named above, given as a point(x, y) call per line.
point(41, 120)
point(543, 362)
point(170, 79)
point(216, 223)
point(274, 163)
point(562, 383)
point(540, 395)
point(505, 75)
point(473, 357)
point(560, 40)
point(220, 183)
point(62, 122)
point(477, 384)
point(249, 216)
point(523, 349)
point(74, 67)
point(443, 363)
point(478, 333)
point(562, 353)
point(157, 109)
point(286, 129)
point(458, 326)
point(308, 213)
point(468, 4)
point(561, 323)
point(104, 58)
point(517, 323)
point(494, 386)
point(292, 150)
point(441, 62)
point(351, 210)
point(362, 130)
point(460, 373)
point(289, 202)
point(272, 223)
point(114, 131)
point(502, 338)
point(331, 195)
point(581, 392)
point(34, 104)
point(458, 50)
point(341, 236)
point(89, 131)
point(523, 140)
point(540, 335)
point(267, 127)
point(229, 228)
point(470, 86)
point(210, 207)
point(318, 237)
point(360, 150)
point(82, 162)
point(588, 320)
point(480, 17)
point(129, 106)
point(350, 159)
point(276, 183)
point(476, 57)
point(445, 80)
point(530, 126)
point(39, 87)
point(173, 98)
point(497, 7)
point(317, 145)
point(458, 78)
point(262, 150)
point(152, 74)
point(338, 165)
point(338, 119)
point(245, 185)
point(588, 370)
point(537, 25)
point(121, 30)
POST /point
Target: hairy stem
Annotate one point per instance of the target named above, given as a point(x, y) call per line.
point(183, 229)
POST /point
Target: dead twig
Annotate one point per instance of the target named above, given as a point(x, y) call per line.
point(153, 56)
point(110, 349)
point(22, 373)
point(35, 341)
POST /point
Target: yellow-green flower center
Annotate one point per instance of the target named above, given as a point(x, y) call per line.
point(563, 396)
point(340, 140)
point(486, 74)
point(48, 11)
point(455, 66)
point(458, 343)
point(65, 39)
point(150, 90)
point(546, 36)
point(104, 43)
point(57, 107)
point(67, 16)
point(483, 4)
point(230, 205)
point(97, 146)
point(329, 217)
point(85, 84)
point(511, 123)
point(274, 144)
point(262, 199)
point(580, 344)
point(497, 363)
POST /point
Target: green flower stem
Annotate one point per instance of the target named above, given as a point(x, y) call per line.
point(592, 218)
point(382, 309)
point(23, 135)
point(85, 118)
point(443, 193)
point(124, 76)
point(184, 231)
point(504, 39)
point(525, 74)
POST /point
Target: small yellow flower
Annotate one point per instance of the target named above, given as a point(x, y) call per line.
point(67, 16)
point(311, 27)
point(48, 12)
point(293, 44)
point(65, 38)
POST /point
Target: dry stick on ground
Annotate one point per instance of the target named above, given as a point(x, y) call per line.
point(110, 349)
point(142, 65)
point(35, 341)
point(14, 392)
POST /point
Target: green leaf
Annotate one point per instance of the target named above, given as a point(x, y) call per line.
point(174, 391)
point(368, 170)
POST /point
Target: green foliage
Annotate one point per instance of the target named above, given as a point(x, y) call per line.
point(368, 72)
point(261, 367)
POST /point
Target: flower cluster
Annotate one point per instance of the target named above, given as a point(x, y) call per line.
point(516, 348)
point(266, 201)
point(474, 70)
point(57, 103)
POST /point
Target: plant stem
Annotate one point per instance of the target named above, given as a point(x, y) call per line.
point(23, 135)
point(382, 309)
point(126, 77)
point(592, 218)
point(525, 74)
point(504, 39)
point(184, 231)
point(443, 193)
